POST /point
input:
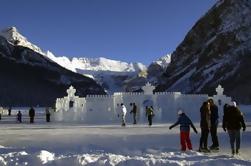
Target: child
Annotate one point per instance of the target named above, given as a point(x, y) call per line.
point(184, 123)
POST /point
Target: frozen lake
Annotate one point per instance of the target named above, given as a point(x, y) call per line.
point(78, 144)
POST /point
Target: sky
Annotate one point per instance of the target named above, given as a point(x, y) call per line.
point(126, 30)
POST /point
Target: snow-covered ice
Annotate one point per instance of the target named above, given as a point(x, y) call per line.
point(78, 144)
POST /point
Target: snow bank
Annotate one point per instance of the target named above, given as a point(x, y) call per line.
point(111, 159)
point(46, 156)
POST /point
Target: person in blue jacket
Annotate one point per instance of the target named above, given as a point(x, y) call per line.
point(185, 123)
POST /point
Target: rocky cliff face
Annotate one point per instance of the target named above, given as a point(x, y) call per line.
point(29, 78)
point(217, 50)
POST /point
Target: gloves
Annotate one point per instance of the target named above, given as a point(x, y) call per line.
point(170, 127)
point(244, 129)
point(196, 131)
point(224, 129)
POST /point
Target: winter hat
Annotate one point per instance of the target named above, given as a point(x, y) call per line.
point(180, 112)
point(234, 104)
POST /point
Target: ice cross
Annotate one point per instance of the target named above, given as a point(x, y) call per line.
point(219, 90)
point(148, 88)
point(71, 91)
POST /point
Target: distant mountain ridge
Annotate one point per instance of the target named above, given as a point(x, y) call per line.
point(30, 79)
point(113, 75)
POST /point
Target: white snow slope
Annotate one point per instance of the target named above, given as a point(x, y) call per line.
point(164, 61)
point(12, 35)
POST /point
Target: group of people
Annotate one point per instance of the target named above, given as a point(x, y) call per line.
point(122, 110)
point(31, 115)
point(233, 121)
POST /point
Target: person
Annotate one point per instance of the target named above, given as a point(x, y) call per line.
point(1, 112)
point(205, 125)
point(48, 115)
point(31, 114)
point(19, 117)
point(9, 111)
point(232, 122)
point(123, 114)
point(149, 114)
point(185, 122)
point(118, 108)
point(134, 112)
point(214, 125)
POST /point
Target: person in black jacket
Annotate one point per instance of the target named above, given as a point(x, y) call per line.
point(205, 124)
point(214, 125)
point(19, 117)
point(31, 114)
point(134, 111)
point(232, 122)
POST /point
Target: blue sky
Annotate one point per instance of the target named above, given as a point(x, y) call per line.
point(127, 30)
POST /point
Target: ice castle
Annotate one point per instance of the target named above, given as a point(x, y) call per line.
point(103, 108)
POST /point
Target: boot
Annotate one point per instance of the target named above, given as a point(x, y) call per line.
point(233, 152)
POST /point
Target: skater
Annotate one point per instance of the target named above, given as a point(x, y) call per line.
point(134, 112)
point(214, 125)
point(123, 114)
point(205, 120)
point(232, 122)
point(118, 108)
point(48, 115)
point(185, 123)
point(31, 114)
point(19, 117)
point(9, 111)
point(149, 114)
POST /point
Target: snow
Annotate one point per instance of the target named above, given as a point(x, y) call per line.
point(95, 64)
point(46, 156)
point(11, 34)
point(180, 82)
point(236, 17)
point(164, 61)
point(78, 144)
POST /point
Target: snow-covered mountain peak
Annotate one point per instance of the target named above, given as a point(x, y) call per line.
point(164, 61)
point(96, 64)
point(12, 35)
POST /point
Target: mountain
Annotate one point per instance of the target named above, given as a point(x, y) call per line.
point(152, 74)
point(111, 74)
point(13, 36)
point(29, 78)
point(215, 51)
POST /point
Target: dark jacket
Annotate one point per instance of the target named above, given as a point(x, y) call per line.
point(149, 112)
point(32, 112)
point(205, 120)
point(134, 109)
point(184, 123)
point(214, 115)
point(233, 119)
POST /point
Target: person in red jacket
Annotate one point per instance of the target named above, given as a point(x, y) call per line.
point(185, 123)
